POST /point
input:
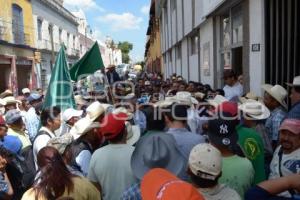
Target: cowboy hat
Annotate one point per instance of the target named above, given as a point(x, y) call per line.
point(11, 100)
point(186, 97)
point(255, 109)
point(156, 150)
point(61, 143)
point(6, 93)
point(79, 100)
point(296, 82)
point(133, 133)
point(218, 100)
point(249, 95)
point(123, 110)
point(2, 102)
point(83, 126)
point(277, 92)
point(168, 101)
point(94, 110)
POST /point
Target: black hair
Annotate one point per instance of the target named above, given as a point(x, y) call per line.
point(49, 114)
point(221, 92)
point(154, 120)
point(297, 89)
point(203, 183)
point(179, 111)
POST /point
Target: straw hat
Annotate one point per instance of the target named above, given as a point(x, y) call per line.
point(94, 110)
point(133, 133)
point(6, 93)
point(277, 92)
point(123, 110)
point(218, 100)
point(2, 102)
point(79, 100)
point(83, 126)
point(255, 109)
point(186, 97)
point(11, 100)
point(249, 95)
point(296, 82)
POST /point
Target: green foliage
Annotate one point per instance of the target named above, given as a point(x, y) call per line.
point(125, 48)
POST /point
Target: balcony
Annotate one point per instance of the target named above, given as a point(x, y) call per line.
point(46, 45)
point(75, 52)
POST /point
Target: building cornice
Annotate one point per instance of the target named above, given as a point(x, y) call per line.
point(61, 10)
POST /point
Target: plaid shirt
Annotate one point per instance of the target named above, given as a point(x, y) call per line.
point(294, 113)
point(32, 123)
point(273, 123)
point(132, 193)
point(3, 185)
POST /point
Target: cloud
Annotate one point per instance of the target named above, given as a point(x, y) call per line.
point(83, 4)
point(119, 22)
point(145, 9)
point(98, 35)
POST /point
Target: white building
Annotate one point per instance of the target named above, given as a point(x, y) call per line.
point(85, 34)
point(201, 38)
point(111, 55)
point(54, 25)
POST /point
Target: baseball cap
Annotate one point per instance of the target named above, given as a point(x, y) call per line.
point(71, 112)
point(205, 161)
point(222, 131)
point(25, 90)
point(12, 116)
point(12, 143)
point(160, 184)
point(292, 125)
point(33, 96)
point(228, 107)
point(112, 125)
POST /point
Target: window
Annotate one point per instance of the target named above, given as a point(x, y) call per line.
point(60, 32)
point(173, 4)
point(170, 56)
point(39, 28)
point(194, 44)
point(193, 12)
point(68, 39)
point(237, 25)
point(17, 24)
point(178, 51)
point(74, 41)
point(226, 31)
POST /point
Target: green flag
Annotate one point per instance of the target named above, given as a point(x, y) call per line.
point(60, 89)
point(88, 64)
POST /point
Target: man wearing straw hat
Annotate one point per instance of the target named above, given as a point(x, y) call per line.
point(295, 98)
point(274, 99)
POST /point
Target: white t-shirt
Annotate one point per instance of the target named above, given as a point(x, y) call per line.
point(220, 192)
point(83, 160)
point(110, 167)
point(290, 164)
point(233, 91)
point(40, 142)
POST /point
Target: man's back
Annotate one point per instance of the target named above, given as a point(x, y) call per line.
point(237, 173)
point(110, 167)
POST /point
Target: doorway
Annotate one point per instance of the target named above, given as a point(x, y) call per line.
point(237, 60)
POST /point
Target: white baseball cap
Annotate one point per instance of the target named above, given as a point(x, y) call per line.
point(205, 161)
point(25, 90)
point(71, 112)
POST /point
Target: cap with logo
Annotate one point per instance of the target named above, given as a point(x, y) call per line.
point(222, 131)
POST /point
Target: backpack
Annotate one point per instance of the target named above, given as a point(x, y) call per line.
point(76, 147)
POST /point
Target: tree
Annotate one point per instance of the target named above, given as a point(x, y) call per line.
point(125, 48)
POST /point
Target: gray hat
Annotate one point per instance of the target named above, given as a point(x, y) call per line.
point(12, 116)
point(157, 150)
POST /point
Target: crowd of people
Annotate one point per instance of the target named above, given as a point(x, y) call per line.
point(153, 138)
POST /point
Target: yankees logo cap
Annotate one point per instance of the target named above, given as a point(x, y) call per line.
point(222, 131)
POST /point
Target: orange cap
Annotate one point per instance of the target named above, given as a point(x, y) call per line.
point(159, 184)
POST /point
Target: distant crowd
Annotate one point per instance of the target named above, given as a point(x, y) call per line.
point(152, 138)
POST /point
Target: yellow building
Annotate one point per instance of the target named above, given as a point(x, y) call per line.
point(16, 45)
point(153, 56)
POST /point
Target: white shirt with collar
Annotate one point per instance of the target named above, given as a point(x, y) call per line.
point(233, 91)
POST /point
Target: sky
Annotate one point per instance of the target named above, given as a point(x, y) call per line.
point(122, 20)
